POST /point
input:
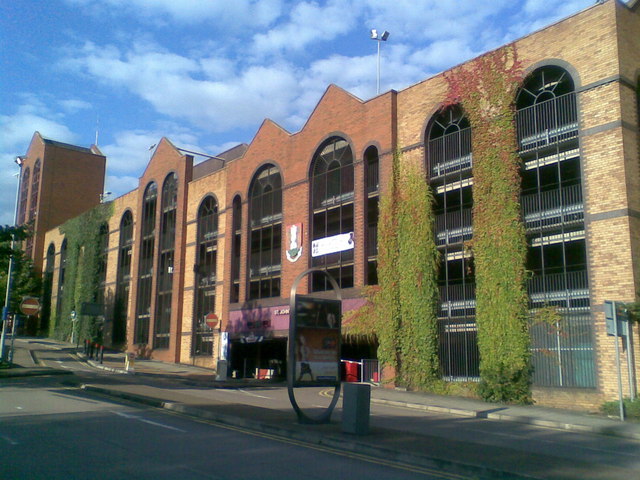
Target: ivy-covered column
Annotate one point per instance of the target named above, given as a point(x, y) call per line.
point(486, 89)
point(386, 301)
point(417, 278)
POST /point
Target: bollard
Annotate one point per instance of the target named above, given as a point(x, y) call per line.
point(356, 408)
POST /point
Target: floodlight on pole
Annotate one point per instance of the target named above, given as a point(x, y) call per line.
point(379, 37)
point(5, 310)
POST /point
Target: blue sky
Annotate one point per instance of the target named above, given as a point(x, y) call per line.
point(205, 73)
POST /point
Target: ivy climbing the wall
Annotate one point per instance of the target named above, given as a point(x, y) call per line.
point(417, 278)
point(81, 281)
point(486, 90)
point(403, 306)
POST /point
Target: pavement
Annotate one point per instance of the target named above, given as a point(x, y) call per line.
point(182, 388)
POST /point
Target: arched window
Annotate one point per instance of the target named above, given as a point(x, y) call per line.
point(371, 162)
point(265, 233)
point(63, 266)
point(165, 261)
point(145, 268)
point(24, 196)
point(47, 284)
point(235, 249)
point(449, 146)
point(207, 258)
point(547, 112)
point(332, 213)
point(33, 204)
point(553, 215)
point(449, 159)
point(123, 278)
point(35, 187)
point(103, 252)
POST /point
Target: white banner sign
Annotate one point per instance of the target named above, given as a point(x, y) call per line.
point(337, 243)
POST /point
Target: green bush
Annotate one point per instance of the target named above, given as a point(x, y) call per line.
point(631, 409)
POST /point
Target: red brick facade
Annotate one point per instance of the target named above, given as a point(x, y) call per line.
point(599, 48)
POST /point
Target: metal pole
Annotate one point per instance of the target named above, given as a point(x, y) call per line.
point(615, 339)
point(630, 361)
point(378, 77)
point(5, 310)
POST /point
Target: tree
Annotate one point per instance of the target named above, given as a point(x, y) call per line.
point(25, 281)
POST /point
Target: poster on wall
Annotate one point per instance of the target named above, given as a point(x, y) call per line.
point(317, 341)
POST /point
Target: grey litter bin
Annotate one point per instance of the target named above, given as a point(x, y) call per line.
point(356, 408)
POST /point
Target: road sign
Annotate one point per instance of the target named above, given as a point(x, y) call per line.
point(30, 306)
point(211, 320)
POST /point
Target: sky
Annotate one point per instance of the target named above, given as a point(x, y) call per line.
point(206, 73)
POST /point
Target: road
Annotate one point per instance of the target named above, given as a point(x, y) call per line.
point(49, 431)
point(500, 445)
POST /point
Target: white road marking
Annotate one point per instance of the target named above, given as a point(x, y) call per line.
point(253, 394)
point(150, 422)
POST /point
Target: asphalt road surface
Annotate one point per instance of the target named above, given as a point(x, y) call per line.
point(49, 431)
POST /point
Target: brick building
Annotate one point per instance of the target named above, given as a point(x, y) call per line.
point(200, 259)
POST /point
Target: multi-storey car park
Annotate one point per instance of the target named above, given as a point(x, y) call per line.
point(226, 235)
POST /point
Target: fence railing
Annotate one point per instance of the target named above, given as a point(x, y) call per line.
point(450, 153)
point(454, 227)
point(562, 353)
point(546, 123)
point(554, 207)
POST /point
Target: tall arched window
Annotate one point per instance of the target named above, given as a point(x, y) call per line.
point(265, 241)
point(371, 162)
point(63, 266)
point(24, 196)
point(45, 314)
point(165, 261)
point(103, 252)
point(236, 249)
point(207, 259)
point(123, 278)
point(145, 268)
point(332, 213)
point(33, 204)
point(553, 215)
point(449, 160)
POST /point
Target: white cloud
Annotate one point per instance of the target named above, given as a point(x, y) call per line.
point(17, 129)
point(231, 14)
point(309, 22)
point(180, 87)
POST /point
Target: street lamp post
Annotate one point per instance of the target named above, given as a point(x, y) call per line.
point(5, 310)
point(382, 37)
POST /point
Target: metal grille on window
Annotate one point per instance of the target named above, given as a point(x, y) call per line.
point(164, 281)
point(123, 279)
point(332, 210)
point(265, 240)
point(205, 275)
point(371, 222)
point(553, 215)
point(145, 268)
point(450, 162)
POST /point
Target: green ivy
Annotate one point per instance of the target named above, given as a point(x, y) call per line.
point(81, 281)
point(404, 305)
point(486, 90)
point(417, 267)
